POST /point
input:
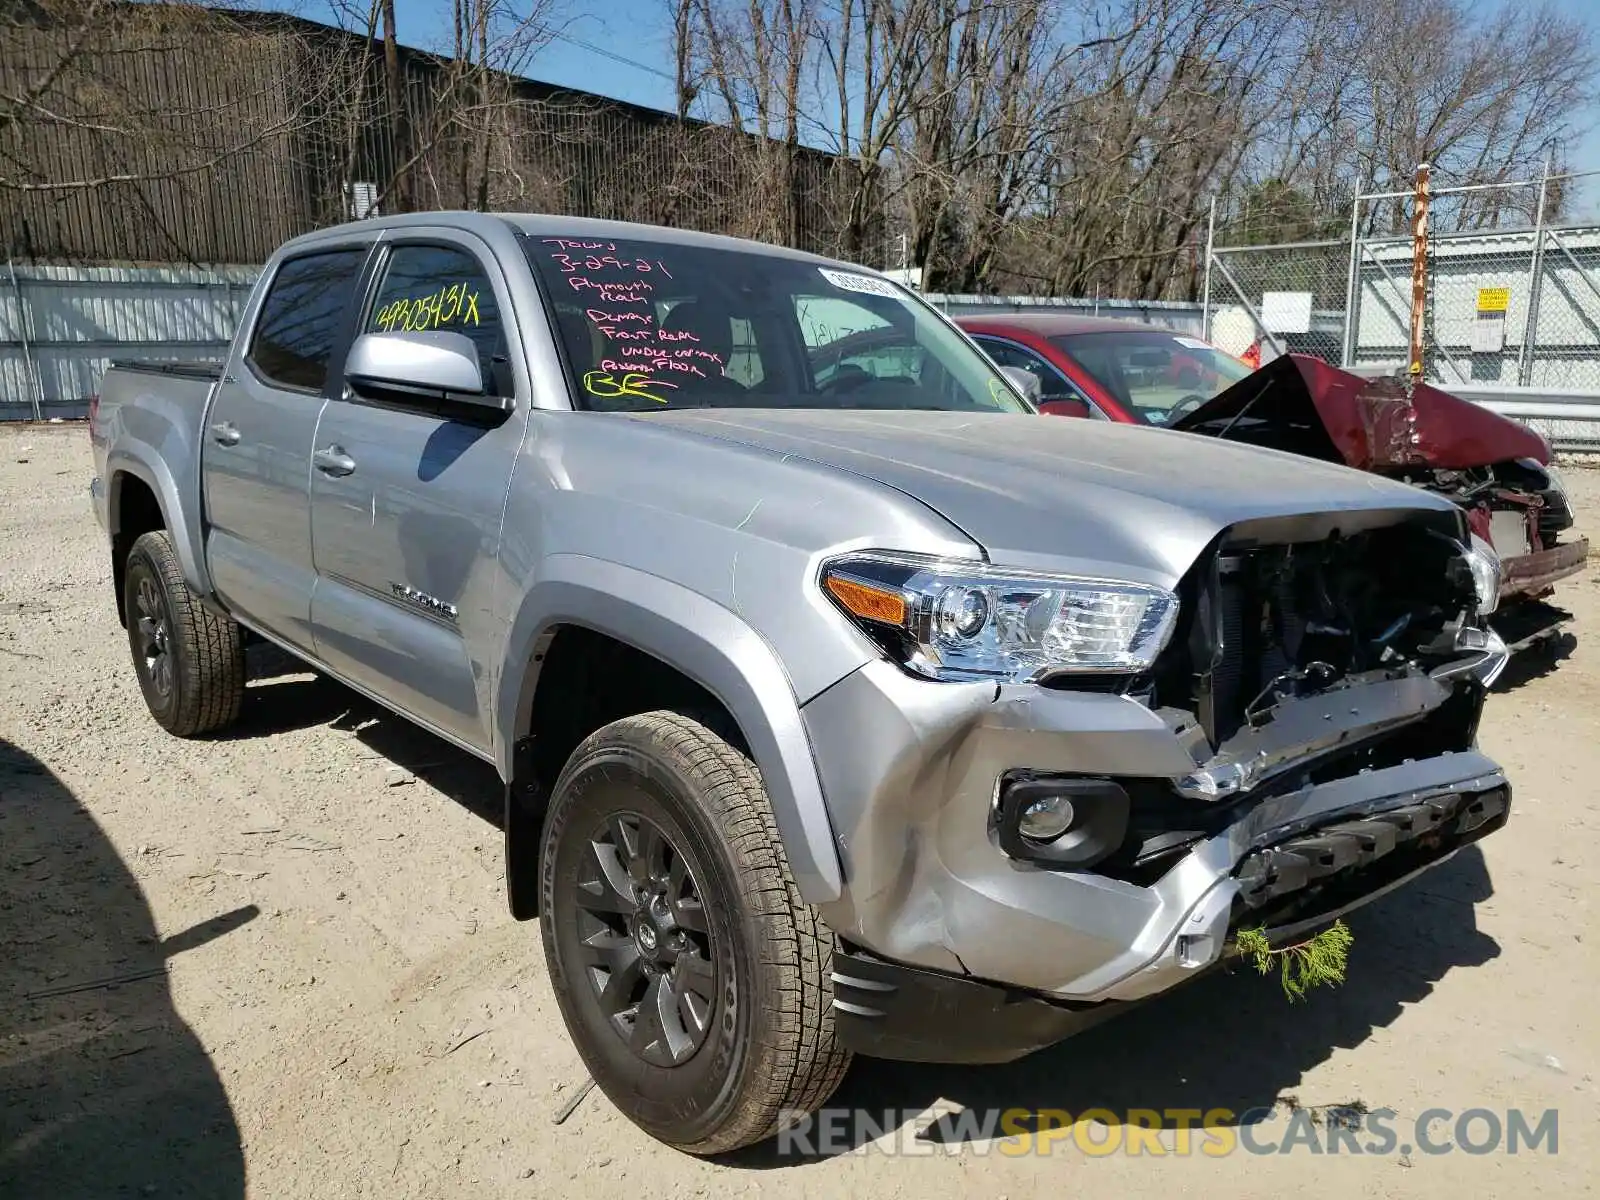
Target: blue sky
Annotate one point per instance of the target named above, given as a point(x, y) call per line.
point(638, 30)
point(625, 51)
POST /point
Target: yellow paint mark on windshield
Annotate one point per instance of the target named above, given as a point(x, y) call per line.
point(607, 386)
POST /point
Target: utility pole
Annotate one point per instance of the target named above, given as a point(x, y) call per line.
point(1419, 276)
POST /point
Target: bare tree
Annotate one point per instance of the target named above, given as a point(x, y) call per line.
point(1073, 146)
point(1483, 96)
point(1064, 146)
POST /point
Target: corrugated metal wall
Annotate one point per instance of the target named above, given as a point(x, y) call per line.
point(236, 131)
point(61, 326)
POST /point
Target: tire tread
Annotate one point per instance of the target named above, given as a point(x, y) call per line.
point(802, 1063)
point(211, 682)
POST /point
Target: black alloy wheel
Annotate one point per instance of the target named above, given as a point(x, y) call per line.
point(152, 631)
point(692, 977)
point(645, 940)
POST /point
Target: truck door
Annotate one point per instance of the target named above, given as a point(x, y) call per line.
point(406, 502)
point(256, 456)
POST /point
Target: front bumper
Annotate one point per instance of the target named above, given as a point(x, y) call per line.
point(888, 1010)
point(1536, 573)
point(910, 770)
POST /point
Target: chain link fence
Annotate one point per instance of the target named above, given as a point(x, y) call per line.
point(1512, 298)
point(1287, 298)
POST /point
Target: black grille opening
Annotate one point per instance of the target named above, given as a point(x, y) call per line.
point(1269, 622)
point(1313, 875)
point(1162, 827)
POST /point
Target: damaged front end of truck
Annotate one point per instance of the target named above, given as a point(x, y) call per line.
point(1304, 663)
point(1497, 470)
point(1304, 743)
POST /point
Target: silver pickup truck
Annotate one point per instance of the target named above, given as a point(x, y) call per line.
point(844, 705)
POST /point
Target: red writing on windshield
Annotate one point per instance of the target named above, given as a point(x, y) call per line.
point(686, 359)
point(635, 327)
point(639, 349)
point(631, 292)
point(574, 244)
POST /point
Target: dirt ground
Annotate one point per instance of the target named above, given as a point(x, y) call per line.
point(278, 963)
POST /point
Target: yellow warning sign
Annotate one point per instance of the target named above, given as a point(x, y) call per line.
point(1494, 300)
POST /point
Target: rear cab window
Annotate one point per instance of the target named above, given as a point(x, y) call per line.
point(301, 318)
point(848, 344)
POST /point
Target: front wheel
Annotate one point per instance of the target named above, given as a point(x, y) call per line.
point(692, 977)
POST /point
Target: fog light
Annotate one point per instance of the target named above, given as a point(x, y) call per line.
point(1045, 819)
point(1063, 821)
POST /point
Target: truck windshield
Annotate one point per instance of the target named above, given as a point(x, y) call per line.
point(655, 324)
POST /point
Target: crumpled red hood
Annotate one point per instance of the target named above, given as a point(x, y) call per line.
point(1369, 421)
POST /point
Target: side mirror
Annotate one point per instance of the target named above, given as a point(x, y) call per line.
point(1025, 382)
point(1065, 406)
point(437, 365)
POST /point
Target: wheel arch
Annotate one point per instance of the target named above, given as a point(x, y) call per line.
point(711, 648)
point(140, 490)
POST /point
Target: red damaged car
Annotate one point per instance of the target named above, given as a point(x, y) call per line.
point(1495, 468)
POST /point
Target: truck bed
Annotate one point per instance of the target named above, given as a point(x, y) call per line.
point(156, 404)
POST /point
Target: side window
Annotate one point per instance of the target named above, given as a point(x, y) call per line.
point(300, 317)
point(441, 287)
point(1052, 383)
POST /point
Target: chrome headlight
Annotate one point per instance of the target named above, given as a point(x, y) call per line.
point(966, 621)
point(1557, 483)
point(1485, 565)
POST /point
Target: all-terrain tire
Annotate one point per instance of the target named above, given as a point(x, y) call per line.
point(200, 687)
point(769, 1052)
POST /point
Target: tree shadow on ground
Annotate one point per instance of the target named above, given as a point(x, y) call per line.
point(104, 1090)
point(1230, 1039)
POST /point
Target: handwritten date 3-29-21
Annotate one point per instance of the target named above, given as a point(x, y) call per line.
point(571, 264)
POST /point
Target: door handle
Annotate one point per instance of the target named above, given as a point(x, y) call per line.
point(333, 461)
point(226, 433)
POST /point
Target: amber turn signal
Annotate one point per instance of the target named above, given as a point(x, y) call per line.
point(867, 601)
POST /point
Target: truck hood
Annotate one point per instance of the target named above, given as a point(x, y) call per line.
point(1049, 493)
point(1365, 423)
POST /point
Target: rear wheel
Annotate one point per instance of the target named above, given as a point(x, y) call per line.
point(189, 660)
point(692, 977)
